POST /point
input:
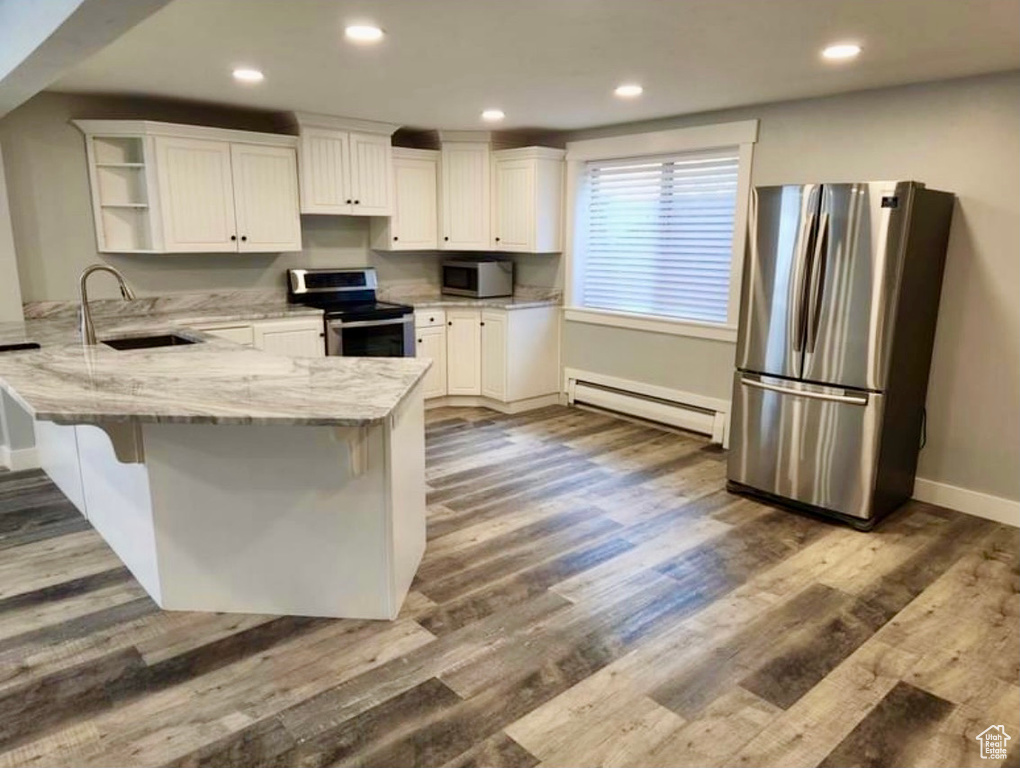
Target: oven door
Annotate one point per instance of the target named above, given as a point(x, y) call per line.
point(460, 280)
point(393, 337)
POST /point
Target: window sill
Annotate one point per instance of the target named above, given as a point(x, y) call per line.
point(651, 324)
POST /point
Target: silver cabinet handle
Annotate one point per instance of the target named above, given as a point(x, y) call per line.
point(849, 399)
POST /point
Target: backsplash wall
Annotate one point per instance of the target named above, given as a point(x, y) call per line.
point(54, 234)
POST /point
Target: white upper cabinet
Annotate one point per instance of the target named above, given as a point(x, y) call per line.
point(197, 191)
point(325, 164)
point(414, 225)
point(371, 174)
point(168, 188)
point(527, 200)
point(265, 198)
point(465, 195)
point(346, 166)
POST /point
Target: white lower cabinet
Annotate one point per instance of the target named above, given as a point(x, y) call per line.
point(239, 334)
point(432, 344)
point(298, 337)
point(491, 355)
point(494, 354)
point(463, 352)
point(293, 337)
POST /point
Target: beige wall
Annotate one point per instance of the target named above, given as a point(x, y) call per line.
point(55, 238)
point(962, 136)
point(10, 291)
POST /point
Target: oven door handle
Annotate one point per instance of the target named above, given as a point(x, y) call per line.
point(371, 323)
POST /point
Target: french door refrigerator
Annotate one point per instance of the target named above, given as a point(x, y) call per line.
point(837, 320)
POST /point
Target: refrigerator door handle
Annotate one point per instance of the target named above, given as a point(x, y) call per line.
point(800, 318)
point(818, 265)
point(848, 399)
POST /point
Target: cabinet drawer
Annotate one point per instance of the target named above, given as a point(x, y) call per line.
point(429, 318)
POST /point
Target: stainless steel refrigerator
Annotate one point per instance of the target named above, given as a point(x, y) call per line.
point(837, 321)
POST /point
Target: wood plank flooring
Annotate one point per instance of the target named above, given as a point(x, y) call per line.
point(591, 595)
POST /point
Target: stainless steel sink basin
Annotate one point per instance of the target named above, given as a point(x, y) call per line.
point(149, 342)
point(20, 346)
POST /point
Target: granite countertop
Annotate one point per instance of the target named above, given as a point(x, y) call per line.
point(214, 382)
point(428, 297)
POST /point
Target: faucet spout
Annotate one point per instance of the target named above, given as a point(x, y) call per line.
point(88, 330)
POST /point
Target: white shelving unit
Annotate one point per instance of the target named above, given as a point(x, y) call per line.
point(174, 188)
point(119, 171)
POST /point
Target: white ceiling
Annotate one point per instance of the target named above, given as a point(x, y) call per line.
point(546, 63)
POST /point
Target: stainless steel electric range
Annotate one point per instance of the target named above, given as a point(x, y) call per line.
point(356, 323)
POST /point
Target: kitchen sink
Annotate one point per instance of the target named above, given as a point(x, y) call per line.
point(20, 346)
point(149, 342)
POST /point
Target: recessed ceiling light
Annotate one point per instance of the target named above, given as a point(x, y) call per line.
point(629, 90)
point(493, 115)
point(841, 51)
point(247, 75)
point(363, 33)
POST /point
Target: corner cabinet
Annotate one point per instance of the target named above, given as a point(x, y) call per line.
point(527, 200)
point(497, 358)
point(414, 225)
point(169, 188)
point(346, 166)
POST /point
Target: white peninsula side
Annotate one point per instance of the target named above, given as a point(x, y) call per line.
point(233, 480)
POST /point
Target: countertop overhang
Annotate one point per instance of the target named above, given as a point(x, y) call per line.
point(213, 382)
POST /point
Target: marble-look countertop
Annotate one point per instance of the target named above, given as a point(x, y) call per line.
point(213, 382)
point(428, 297)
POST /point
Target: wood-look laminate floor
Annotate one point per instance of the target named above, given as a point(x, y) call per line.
point(590, 596)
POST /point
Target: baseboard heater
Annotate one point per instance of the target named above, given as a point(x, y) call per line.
point(659, 404)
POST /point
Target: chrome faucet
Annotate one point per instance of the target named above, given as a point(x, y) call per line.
point(88, 330)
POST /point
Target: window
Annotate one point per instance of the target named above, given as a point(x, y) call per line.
point(657, 235)
point(657, 225)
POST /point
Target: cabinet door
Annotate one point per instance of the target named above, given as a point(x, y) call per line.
point(325, 171)
point(494, 354)
point(196, 195)
point(465, 197)
point(266, 198)
point(514, 205)
point(432, 344)
point(239, 334)
point(371, 175)
point(293, 338)
point(463, 352)
point(415, 226)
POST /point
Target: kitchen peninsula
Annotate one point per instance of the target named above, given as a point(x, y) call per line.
point(230, 479)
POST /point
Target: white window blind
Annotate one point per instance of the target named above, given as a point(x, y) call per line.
point(658, 235)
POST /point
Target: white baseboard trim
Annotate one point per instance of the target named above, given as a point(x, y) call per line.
point(970, 502)
point(17, 460)
point(474, 401)
point(713, 421)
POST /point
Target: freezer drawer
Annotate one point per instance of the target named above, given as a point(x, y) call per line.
point(811, 444)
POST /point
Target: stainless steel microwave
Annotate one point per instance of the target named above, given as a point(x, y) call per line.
point(479, 278)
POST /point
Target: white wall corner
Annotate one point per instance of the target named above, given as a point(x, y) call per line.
point(970, 502)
